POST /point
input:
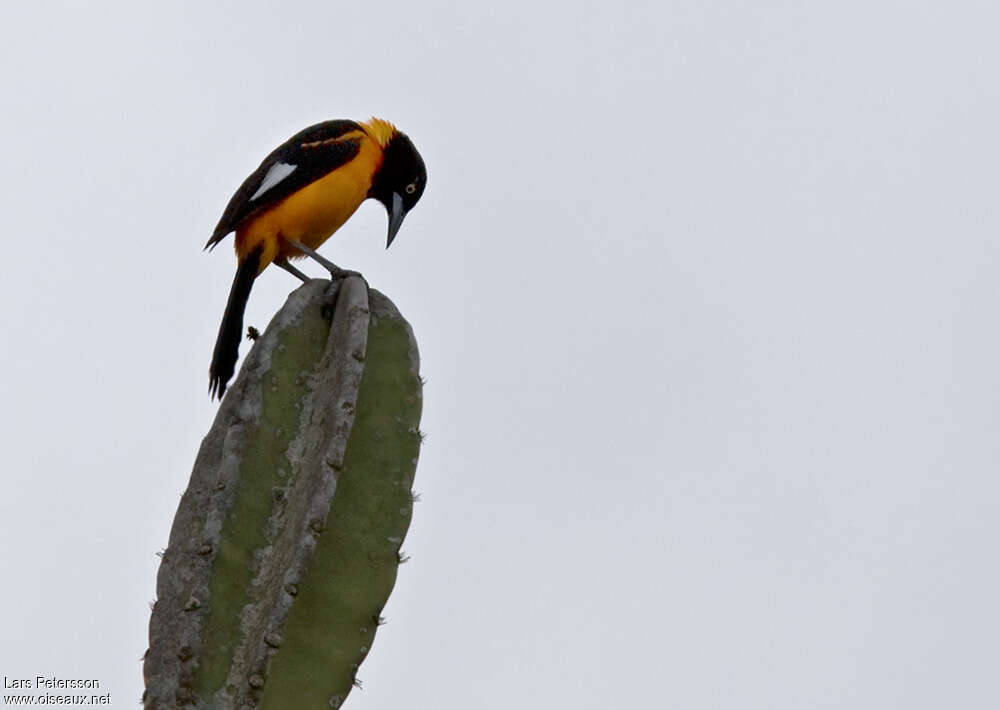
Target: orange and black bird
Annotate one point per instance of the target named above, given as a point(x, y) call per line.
point(300, 195)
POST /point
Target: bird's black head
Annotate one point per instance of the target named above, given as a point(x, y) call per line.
point(400, 181)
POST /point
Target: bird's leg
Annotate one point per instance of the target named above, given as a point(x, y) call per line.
point(292, 270)
point(335, 271)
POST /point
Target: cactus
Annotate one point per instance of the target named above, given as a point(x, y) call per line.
point(286, 543)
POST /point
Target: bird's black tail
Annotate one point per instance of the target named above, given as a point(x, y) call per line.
point(227, 345)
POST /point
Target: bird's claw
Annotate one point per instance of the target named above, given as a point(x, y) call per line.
point(341, 274)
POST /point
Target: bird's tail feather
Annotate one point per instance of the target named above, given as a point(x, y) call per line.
point(227, 345)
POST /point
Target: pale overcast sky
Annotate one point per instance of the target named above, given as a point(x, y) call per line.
point(706, 295)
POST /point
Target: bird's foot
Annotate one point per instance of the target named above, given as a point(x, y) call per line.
point(336, 273)
point(339, 274)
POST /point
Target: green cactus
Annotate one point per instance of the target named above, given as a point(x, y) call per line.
point(286, 543)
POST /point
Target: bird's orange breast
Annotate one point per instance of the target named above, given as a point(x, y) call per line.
point(313, 213)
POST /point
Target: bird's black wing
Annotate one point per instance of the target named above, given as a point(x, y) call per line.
point(304, 158)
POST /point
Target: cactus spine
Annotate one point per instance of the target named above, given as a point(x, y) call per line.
point(286, 543)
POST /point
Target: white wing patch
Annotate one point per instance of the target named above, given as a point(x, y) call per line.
point(275, 174)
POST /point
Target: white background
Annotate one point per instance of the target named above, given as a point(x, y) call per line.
point(707, 300)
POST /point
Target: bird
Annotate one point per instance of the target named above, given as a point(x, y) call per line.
point(302, 193)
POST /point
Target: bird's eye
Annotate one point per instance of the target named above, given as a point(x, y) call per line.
point(411, 188)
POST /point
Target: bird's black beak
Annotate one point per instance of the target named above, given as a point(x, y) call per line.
point(396, 214)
